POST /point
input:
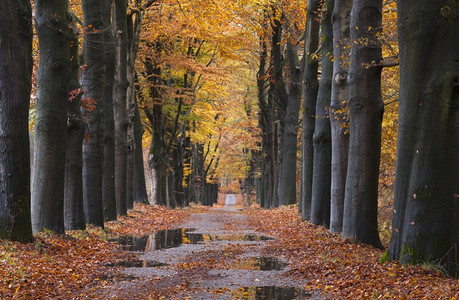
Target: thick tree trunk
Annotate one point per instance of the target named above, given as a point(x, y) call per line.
point(15, 78)
point(119, 96)
point(310, 86)
point(93, 83)
point(53, 77)
point(108, 177)
point(424, 222)
point(366, 111)
point(74, 218)
point(140, 187)
point(338, 111)
point(282, 100)
point(320, 197)
point(290, 145)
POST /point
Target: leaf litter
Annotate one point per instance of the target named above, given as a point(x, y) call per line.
point(76, 265)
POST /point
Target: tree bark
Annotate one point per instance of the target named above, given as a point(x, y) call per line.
point(108, 177)
point(119, 96)
point(290, 144)
point(281, 97)
point(140, 187)
point(74, 218)
point(320, 196)
point(51, 116)
point(424, 222)
point(366, 111)
point(338, 111)
point(15, 79)
point(93, 83)
point(310, 86)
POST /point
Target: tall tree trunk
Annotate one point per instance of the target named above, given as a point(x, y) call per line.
point(53, 77)
point(108, 177)
point(366, 111)
point(424, 222)
point(310, 87)
point(338, 114)
point(266, 124)
point(15, 78)
point(320, 197)
point(140, 187)
point(93, 83)
point(74, 218)
point(119, 96)
point(290, 144)
point(281, 97)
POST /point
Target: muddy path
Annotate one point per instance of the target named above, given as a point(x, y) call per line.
point(212, 255)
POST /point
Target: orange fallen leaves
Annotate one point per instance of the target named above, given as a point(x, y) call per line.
point(339, 269)
point(64, 266)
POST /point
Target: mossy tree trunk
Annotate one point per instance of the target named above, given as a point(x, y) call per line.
point(15, 84)
point(424, 222)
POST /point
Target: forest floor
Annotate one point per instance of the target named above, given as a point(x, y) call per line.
point(223, 252)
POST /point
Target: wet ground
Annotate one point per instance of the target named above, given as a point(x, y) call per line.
point(213, 255)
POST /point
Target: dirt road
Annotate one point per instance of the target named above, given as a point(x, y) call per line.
point(212, 255)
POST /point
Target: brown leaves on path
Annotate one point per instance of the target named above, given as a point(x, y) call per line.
point(339, 269)
point(62, 266)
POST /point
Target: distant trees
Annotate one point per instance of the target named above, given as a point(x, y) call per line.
point(15, 79)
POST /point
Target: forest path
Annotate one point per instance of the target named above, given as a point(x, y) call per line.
point(212, 255)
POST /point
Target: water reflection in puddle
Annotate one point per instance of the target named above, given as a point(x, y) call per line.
point(270, 293)
point(171, 238)
point(260, 263)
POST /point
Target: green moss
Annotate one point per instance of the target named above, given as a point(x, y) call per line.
point(410, 255)
point(385, 257)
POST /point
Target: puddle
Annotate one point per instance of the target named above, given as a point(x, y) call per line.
point(270, 293)
point(136, 263)
point(162, 239)
point(260, 263)
point(171, 238)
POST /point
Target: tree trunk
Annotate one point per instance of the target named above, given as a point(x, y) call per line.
point(74, 218)
point(320, 197)
point(119, 96)
point(108, 177)
point(281, 97)
point(15, 78)
point(290, 144)
point(310, 87)
point(140, 187)
point(53, 77)
point(338, 111)
point(366, 111)
point(424, 222)
point(93, 83)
